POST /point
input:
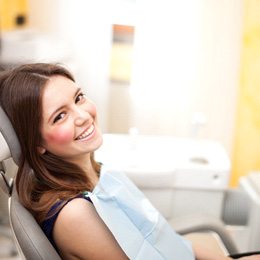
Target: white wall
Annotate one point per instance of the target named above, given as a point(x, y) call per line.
point(186, 61)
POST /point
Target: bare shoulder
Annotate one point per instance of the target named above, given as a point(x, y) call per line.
point(76, 210)
point(79, 232)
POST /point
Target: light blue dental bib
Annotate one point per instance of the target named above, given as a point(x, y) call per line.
point(138, 227)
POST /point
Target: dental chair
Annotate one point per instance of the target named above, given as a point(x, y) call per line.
point(30, 240)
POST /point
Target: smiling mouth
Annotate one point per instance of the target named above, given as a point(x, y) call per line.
point(87, 133)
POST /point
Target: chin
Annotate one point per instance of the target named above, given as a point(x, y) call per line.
point(98, 143)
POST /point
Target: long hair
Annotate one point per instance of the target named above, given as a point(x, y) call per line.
point(42, 179)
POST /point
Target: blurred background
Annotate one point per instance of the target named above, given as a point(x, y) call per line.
point(182, 68)
point(185, 69)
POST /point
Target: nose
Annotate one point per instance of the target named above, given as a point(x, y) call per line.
point(81, 116)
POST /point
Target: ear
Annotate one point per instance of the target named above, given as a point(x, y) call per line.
point(41, 149)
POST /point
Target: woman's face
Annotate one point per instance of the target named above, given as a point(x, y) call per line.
point(69, 126)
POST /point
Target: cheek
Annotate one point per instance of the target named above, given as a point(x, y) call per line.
point(60, 136)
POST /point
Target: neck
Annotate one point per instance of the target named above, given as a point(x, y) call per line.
point(91, 173)
point(85, 164)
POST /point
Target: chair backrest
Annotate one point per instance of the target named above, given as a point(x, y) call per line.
point(29, 237)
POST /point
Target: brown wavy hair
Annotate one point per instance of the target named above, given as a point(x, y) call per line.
point(42, 179)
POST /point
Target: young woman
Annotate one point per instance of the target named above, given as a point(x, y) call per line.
point(56, 125)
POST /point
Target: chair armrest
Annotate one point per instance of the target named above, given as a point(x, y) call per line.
point(204, 223)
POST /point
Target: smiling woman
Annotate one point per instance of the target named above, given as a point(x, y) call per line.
point(85, 210)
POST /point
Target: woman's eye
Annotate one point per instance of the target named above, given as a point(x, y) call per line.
point(58, 117)
point(80, 97)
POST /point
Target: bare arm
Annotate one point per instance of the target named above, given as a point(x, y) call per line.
point(80, 233)
point(202, 253)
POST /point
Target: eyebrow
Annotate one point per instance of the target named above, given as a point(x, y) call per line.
point(61, 107)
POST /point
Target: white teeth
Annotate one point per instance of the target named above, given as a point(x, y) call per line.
point(86, 133)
